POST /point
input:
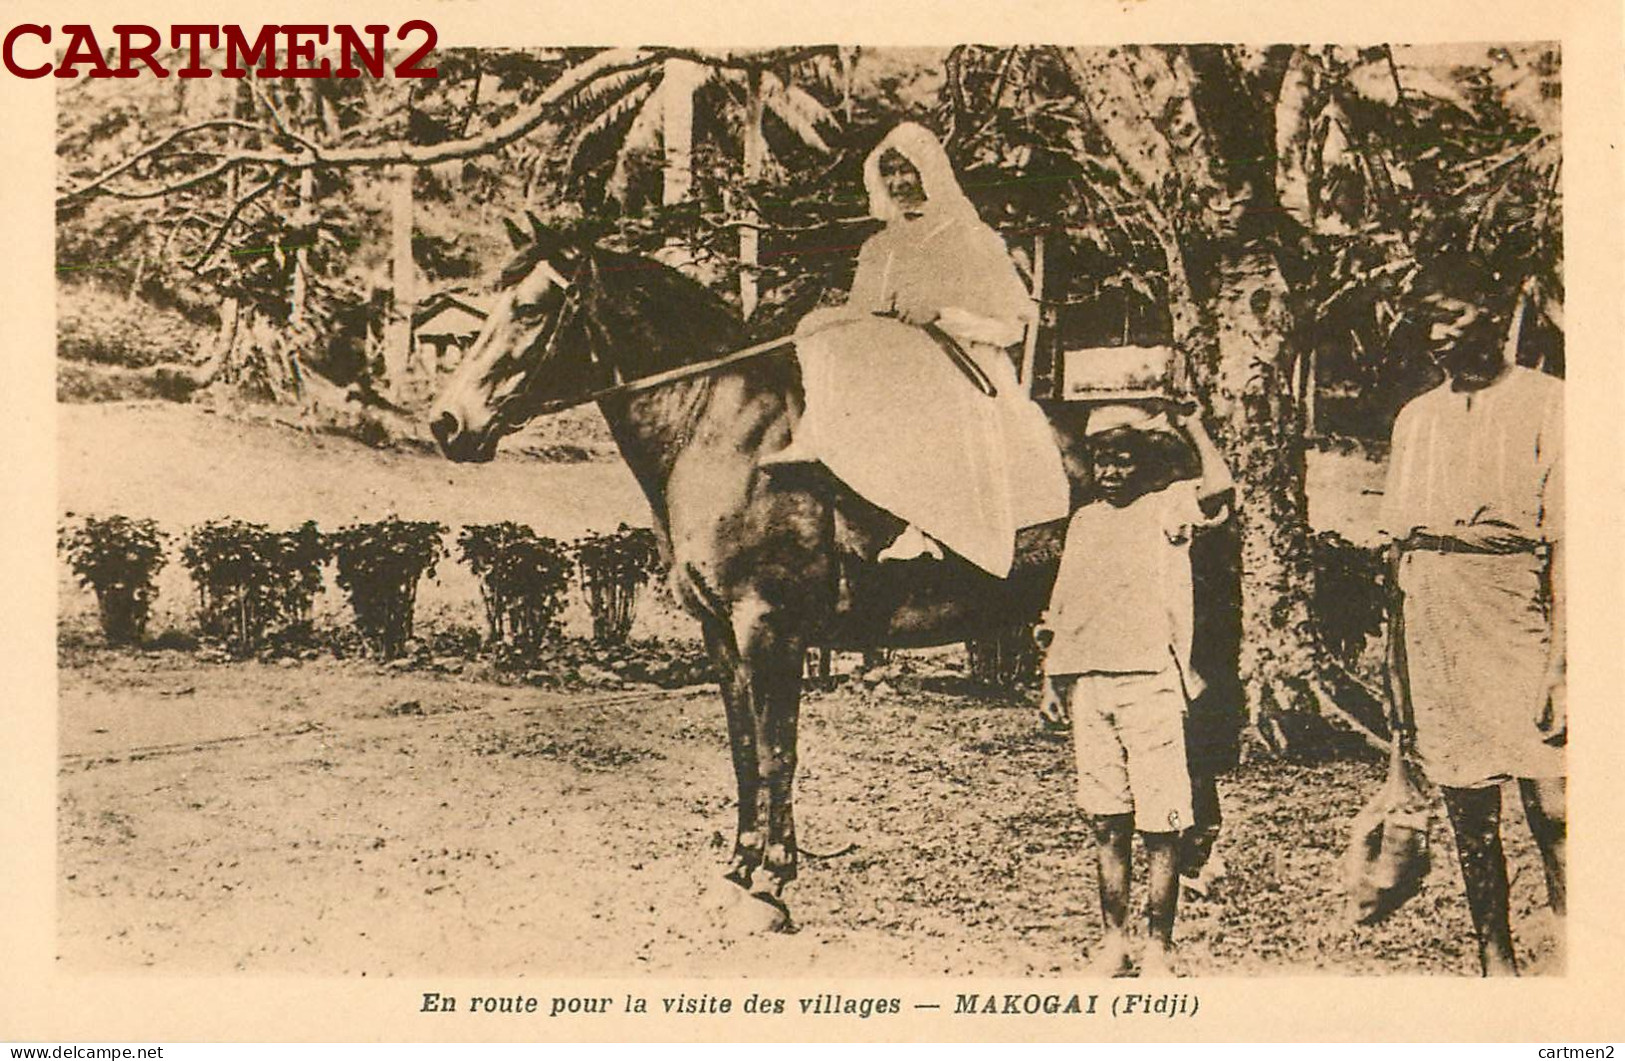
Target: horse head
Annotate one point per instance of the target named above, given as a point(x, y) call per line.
point(534, 352)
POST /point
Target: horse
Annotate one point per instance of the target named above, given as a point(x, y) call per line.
point(770, 563)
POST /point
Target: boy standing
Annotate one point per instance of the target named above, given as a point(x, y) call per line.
point(1118, 633)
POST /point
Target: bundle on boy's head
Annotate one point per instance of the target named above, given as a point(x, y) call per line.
point(1111, 419)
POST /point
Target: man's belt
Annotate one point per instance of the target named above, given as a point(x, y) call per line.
point(1541, 549)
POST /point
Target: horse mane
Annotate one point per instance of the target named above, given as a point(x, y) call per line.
point(653, 318)
point(641, 317)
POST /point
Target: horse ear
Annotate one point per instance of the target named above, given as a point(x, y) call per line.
point(536, 226)
point(516, 235)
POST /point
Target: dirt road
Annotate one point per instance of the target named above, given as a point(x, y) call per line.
point(340, 818)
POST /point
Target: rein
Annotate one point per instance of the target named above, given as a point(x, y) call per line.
point(950, 347)
point(644, 383)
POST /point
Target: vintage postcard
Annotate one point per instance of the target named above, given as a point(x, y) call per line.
point(773, 522)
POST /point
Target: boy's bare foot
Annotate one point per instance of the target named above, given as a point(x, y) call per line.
point(1110, 959)
point(1161, 963)
point(1201, 884)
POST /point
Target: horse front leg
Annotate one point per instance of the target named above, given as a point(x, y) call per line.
point(733, 678)
point(775, 661)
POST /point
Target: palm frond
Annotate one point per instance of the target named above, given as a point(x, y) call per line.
point(645, 131)
point(798, 110)
point(1375, 81)
point(608, 119)
point(593, 95)
point(644, 134)
point(1530, 85)
point(1417, 82)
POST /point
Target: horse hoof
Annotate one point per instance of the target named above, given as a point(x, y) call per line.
point(772, 914)
point(746, 913)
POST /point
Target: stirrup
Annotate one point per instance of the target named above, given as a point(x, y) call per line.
point(912, 544)
point(792, 455)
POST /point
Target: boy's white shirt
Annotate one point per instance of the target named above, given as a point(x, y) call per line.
point(1179, 613)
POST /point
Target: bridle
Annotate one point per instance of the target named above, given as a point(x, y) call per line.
point(570, 304)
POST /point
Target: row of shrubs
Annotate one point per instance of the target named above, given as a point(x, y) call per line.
point(256, 586)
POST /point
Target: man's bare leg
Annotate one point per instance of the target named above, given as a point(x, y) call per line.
point(1545, 801)
point(1114, 847)
point(1475, 815)
point(1162, 902)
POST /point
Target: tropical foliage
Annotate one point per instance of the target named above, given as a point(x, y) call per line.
point(523, 579)
point(614, 567)
point(1266, 210)
point(379, 567)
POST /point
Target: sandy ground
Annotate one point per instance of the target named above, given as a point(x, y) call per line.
point(328, 817)
point(182, 465)
point(340, 818)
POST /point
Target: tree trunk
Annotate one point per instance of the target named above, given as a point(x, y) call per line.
point(1243, 365)
point(1190, 332)
point(1029, 348)
point(678, 81)
point(301, 255)
point(1311, 392)
point(847, 57)
point(305, 215)
point(1246, 374)
point(140, 272)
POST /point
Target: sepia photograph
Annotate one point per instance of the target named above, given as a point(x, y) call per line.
point(858, 514)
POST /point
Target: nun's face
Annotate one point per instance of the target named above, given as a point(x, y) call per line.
point(902, 180)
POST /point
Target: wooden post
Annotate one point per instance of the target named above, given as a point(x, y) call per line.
point(398, 329)
point(1311, 390)
point(1509, 353)
point(750, 234)
point(1029, 353)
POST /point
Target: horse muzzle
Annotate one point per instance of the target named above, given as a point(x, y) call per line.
point(460, 444)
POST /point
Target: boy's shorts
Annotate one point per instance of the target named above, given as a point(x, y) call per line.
point(1128, 733)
